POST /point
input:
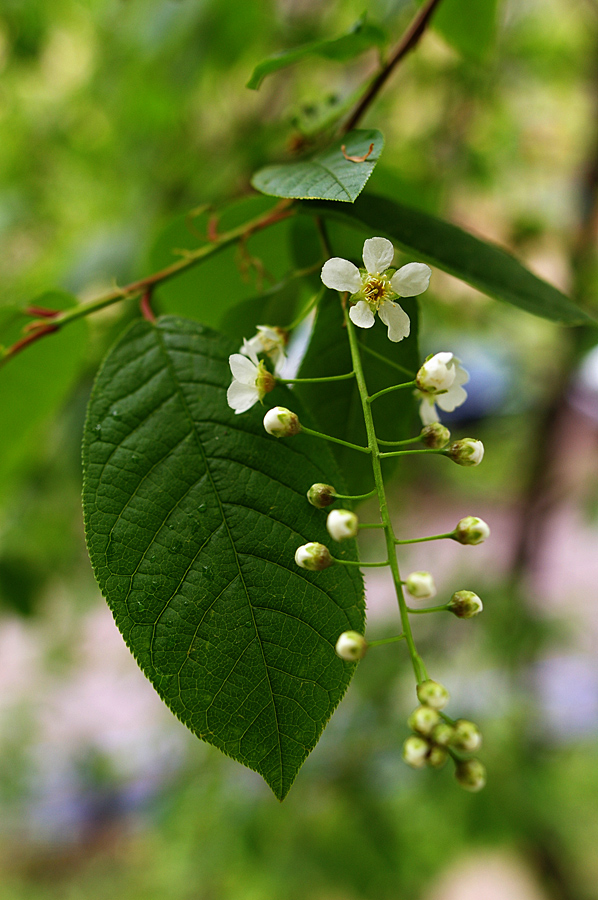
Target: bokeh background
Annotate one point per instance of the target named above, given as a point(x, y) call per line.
point(115, 117)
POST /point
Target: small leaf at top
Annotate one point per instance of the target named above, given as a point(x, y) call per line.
point(193, 516)
point(360, 37)
point(328, 175)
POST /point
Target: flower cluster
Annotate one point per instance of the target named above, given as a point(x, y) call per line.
point(251, 379)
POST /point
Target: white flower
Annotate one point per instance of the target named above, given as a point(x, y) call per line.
point(471, 530)
point(342, 524)
point(421, 585)
point(466, 452)
point(281, 422)
point(439, 383)
point(373, 289)
point(251, 381)
point(351, 646)
point(313, 556)
point(271, 341)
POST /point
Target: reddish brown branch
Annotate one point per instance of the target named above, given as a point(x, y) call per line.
point(40, 332)
point(356, 159)
point(42, 311)
point(409, 40)
point(145, 305)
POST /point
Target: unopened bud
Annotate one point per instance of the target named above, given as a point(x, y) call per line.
point(465, 604)
point(471, 774)
point(423, 719)
point(415, 751)
point(281, 422)
point(342, 524)
point(437, 757)
point(435, 435)
point(466, 452)
point(421, 585)
point(321, 495)
point(471, 530)
point(442, 734)
point(467, 736)
point(313, 556)
point(437, 374)
point(351, 646)
point(433, 694)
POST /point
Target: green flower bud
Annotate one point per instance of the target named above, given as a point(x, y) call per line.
point(342, 524)
point(471, 774)
point(321, 495)
point(437, 757)
point(423, 719)
point(435, 436)
point(433, 694)
point(465, 604)
point(415, 751)
point(281, 422)
point(466, 452)
point(442, 734)
point(421, 585)
point(471, 530)
point(313, 556)
point(467, 736)
point(351, 646)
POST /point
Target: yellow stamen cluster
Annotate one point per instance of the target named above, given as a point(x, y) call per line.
point(376, 289)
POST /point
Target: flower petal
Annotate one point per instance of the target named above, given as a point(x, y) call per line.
point(411, 280)
point(243, 369)
point(251, 348)
point(378, 253)
point(241, 397)
point(341, 275)
point(454, 397)
point(361, 315)
point(427, 410)
point(397, 320)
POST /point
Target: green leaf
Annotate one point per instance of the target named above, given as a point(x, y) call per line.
point(35, 383)
point(483, 265)
point(193, 516)
point(469, 27)
point(209, 289)
point(336, 406)
point(327, 175)
point(360, 37)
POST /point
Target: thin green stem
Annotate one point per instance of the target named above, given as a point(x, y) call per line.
point(389, 362)
point(314, 380)
point(388, 390)
point(429, 609)
point(390, 640)
point(355, 562)
point(412, 440)
point(328, 437)
point(417, 662)
point(432, 537)
point(356, 496)
point(409, 452)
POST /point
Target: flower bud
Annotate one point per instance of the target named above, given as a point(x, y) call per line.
point(342, 524)
point(466, 452)
point(351, 646)
point(281, 422)
point(415, 751)
point(442, 734)
point(467, 736)
point(435, 435)
point(421, 585)
point(437, 757)
point(471, 774)
point(471, 530)
point(437, 374)
point(423, 719)
point(313, 556)
point(465, 604)
point(433, 694)
point(321, 495)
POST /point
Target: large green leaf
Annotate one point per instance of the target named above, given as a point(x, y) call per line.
point(327, 175)
point(361, 36)
point(35, 383)
point(481, 264)
point(193, 516)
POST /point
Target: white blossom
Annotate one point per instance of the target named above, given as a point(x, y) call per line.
point(251, 381)
point(421, 585)
point(342, 524)
point(281, 422)
point(440, 383)
point(269, 340)
point(351, 646)
point(374, 288)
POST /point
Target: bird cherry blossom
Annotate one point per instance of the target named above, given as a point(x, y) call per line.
point(251, 381)
point(440, 383)
point(374, 287)
point(269, 340)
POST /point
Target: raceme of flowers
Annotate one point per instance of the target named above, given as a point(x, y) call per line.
point(372, 289)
